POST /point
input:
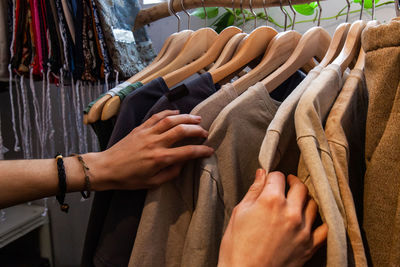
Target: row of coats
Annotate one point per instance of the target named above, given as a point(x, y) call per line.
point(322, 127)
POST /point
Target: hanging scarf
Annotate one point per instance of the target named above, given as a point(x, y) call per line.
point(88, 55)
point(101, 44)
point(4, 47)
point(129, 53)
point(36, 36)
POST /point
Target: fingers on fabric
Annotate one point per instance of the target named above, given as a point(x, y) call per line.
point(170, 122)
point(297, 194)
point(165, 175)
point(182, 131)
point(158, 117)
point(274, 189)
point(256, 188)
point(319, 237)
point(181, 154)
point(310, 213)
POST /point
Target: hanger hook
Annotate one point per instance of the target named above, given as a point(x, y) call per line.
point(187, 13)
point(284, 13)
point(348, 10)
point(373, 9)
point(241, 10)
point(172, 12)
point(266, 13)
point(205, 13)
point(320, 13)
point(234, 12)
point(253, 13)
point(362, 8)
point(294, 13)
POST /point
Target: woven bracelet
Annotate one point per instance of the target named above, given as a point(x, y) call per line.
point(87, 186)
point(62, 183)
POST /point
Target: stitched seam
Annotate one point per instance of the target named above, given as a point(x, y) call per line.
point(272, 130)
point(218, 189)
point(318, 147)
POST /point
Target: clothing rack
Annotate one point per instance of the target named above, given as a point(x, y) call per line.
point(160, 11)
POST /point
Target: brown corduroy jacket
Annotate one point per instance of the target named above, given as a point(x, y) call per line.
point(382, 145)
point(345, 130)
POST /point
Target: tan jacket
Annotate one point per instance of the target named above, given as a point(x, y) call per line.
point(196, 211)
point(226, 176)
point(279, 150)
point(160, 242)
point(345, 132)
point(382, 145)
point(315, 168)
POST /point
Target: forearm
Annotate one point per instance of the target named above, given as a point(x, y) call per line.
point(143, 159)
point(27, 180)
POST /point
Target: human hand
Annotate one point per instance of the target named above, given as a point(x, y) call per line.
point(144, 158)
point(268, 228)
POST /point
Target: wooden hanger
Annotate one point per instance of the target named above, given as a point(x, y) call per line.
point(228, 51)
point(309, 66)
point(360, 60)
point(171, 50)
point(313, 44)
point(338, 39)
point(242, 42)
point(254, 45)
point(351, 46)
point(361, 56)
point(197, 44)
point(206, 59)
point(279, 50)
point(171, 53)
point(164, 48)
point(178, 49)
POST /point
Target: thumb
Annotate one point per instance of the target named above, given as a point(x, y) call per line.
point(256, 188)
point(319, 236)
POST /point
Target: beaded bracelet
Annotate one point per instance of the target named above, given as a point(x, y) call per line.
point(62, 183)
point(87, 186)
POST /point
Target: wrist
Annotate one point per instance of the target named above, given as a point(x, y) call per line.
point(98, 170)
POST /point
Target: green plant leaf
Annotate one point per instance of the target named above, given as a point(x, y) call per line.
point(306, 9)
point(239, 12)
point(212, 12)
point(224, 21)
point(367, 3)
point(199, 12)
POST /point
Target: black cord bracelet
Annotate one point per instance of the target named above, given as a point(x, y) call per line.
point(62, 183)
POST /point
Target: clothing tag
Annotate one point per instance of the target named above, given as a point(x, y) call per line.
point(123, 36)
point(177, 93)
point(113, 92)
